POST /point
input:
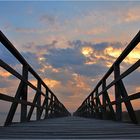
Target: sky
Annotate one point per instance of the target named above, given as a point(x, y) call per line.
point(71, 45)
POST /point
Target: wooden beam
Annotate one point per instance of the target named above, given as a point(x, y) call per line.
point(38, 112)
point(117, 94)
point(23, 115)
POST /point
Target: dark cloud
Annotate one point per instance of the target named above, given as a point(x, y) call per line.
point(70, 58)
point(64, 57)
point(73, 60)
point(103, 45)
point(90, 70)
point(133, 79)
point(48, 19)
point(32, 59)
point(62, 75)
point(98, 46)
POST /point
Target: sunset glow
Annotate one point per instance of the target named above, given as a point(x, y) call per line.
point(4, 74)
point(87, 51)
point(71, 45)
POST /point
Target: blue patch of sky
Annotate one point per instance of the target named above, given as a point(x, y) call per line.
point(18, 12)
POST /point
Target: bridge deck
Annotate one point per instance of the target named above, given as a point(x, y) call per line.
point(71, 127)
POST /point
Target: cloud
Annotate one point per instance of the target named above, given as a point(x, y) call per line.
point(132, 15)
point(90, 70)
point(133, 79)
point(32, 59)
point(93, 31)
point(72, 92)
point(4, 74)
point(51, 83)
point(106, 24)
point(26, 30)
point(64, 57)
point(48, 19)
point(8, 86)
point(78, 58)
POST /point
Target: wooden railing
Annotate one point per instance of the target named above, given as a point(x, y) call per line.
point(99, 105)
point(52, 106)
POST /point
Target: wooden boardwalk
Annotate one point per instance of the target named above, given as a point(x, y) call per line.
point(71, 128)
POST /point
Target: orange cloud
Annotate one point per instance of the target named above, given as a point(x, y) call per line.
point(96, 31)
point(87, 51)
point(93, 56)
point(132, 15)
point(111, 51)
point(51, 83)
point(4, 74)
point(79, 89)
point(131, 58)
point(134, 55)
point(33, 81)
point(11, 86)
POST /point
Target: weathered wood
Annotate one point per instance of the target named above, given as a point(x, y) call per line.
point(23, 116)
point(71, 128)
point(38, 111)
point(103, 98)
point(117, 94)
point(43, 105)
point(109, 105)
point(46, 99)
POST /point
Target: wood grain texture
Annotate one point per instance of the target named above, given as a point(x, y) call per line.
point(71, 128)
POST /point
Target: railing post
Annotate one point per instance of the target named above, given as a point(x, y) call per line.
point(104, 98)
point(23, 116)
point(88, 106)
point(51, 105)
point(38, 111)
point(97, 104)
point(92, 108)
point(117, 93)
point(46, 111)
point(55, 106)
point(83, 113)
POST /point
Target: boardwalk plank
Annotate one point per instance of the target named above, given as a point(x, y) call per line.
point(70, 128)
